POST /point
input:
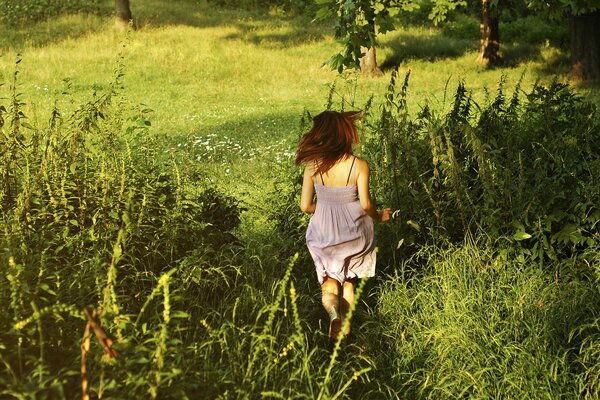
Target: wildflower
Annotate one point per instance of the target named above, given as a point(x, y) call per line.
point(284, 352)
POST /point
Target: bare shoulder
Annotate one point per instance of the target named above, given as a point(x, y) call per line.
point(362, 165)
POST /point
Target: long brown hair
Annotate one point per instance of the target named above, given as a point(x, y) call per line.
point(329, 140)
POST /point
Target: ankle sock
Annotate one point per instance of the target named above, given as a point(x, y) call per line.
point(333, 313)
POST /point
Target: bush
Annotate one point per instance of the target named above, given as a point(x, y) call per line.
point(519, 168)
point(462, 27)
point(533, 30)
point(525, 30)
point(95, 216)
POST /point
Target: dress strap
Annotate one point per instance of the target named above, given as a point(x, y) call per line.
point(320, 174)
point(349, 172)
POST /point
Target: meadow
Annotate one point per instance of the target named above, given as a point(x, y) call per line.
point(149, 176)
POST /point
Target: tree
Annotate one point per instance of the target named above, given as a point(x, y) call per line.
point(584, 33)
point(489, 33)
point(359, 22)
point(123, 14)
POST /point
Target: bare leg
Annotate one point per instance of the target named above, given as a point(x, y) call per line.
point(331, 302)
point(347, 299)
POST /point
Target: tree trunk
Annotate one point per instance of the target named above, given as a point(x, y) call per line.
point(489, 36)
point(368, 62)
point(123, 14)
point(585, 46)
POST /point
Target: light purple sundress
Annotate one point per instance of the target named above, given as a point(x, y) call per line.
point(340, 235)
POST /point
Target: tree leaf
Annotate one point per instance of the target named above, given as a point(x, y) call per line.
point(414, 225)
point(521, 235)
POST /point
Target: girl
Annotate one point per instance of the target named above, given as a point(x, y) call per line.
point(340, 233)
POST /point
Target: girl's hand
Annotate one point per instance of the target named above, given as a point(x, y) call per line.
point(385, 214)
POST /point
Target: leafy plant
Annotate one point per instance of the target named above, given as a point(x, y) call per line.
point(513, 167)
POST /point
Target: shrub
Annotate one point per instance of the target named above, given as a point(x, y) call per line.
point(518, 168)
point(94, 215)
point(534, 30)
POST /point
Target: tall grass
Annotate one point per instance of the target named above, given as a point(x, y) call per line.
point(127, 208)
point(91, 215)
point(473, 323)
point(517, 168)
point(95, 217)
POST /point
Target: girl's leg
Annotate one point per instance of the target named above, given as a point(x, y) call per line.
point(347, 299)
point(331, 302)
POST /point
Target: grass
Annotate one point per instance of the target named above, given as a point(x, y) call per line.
point(464, 327)
point(227, 89)
point(238, 74)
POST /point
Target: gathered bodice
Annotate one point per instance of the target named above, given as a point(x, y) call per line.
point(336, 194)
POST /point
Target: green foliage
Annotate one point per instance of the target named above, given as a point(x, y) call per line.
point(533, 30)
point(472, 323)
point(441, 8)
point(204, 299)
point(529, 30)
point(23, 11)
point(555, 8)
point(520, 168)
point(96, 214)
point(462, 27)
point(93, 214)
point(357, 24)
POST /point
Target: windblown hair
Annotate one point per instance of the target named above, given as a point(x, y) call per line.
point(329, 140)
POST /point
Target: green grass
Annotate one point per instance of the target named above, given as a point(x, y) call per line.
point(242, 320)
point(238, 74)
point(466, 326)
point(235, 73)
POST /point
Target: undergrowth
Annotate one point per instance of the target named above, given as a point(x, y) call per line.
point(96, 214)
point(520, 171)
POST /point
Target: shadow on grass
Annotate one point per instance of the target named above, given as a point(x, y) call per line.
point(293, 35)
point(434, 45)
point(256, 27)
point(430, 47)
point(43, 33)
point(188, 13)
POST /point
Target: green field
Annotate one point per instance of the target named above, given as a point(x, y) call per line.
point(149, 175)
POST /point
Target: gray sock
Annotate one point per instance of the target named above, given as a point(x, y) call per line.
point(333, 313)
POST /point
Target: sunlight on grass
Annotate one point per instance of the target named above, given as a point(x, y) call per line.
point(170, 204)
point(207, 71)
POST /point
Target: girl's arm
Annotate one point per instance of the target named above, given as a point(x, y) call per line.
point(307, 204)
point(362, 181)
